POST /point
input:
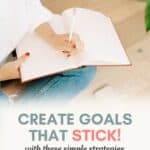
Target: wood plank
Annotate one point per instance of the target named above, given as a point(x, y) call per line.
point(126, 11)
point(100, 5)
point(131, 30)
point(129, 22)
point(118, 10)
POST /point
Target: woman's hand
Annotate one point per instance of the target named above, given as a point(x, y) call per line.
point(10, 70)
point(61, 43)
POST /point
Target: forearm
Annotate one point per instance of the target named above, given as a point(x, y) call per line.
point(3, 75)
point(46, 32)
point(2, 78)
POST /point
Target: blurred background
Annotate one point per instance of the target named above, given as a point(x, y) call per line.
point(128, 18)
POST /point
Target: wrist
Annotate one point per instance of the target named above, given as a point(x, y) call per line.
point(1, 75)
point(46, 32)
point(53, 39)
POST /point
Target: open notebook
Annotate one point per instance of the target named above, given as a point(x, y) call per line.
point(102, 45)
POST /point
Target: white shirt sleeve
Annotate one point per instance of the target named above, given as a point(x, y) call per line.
point(37, 14)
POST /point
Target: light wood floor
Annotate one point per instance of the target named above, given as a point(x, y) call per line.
point(128, 18)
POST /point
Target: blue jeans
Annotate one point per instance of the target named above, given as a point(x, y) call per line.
point(59, 88)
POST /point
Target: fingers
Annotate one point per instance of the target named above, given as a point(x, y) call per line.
point(69, 49)
point(78, 44)
point(76, 40)
point(66, 53)
point(22, 59)
point(71, 52)
point(72, 47)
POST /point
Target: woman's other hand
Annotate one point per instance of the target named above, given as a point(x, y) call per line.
point(10, 70)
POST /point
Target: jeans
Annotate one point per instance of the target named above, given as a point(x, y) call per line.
point(59, 88)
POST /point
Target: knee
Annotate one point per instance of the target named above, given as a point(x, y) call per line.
point(87, 74)
point(3, 99)
point(82, 76)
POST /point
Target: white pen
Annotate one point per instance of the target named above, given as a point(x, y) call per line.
point(73, 24)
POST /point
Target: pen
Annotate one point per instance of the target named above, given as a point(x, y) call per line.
point(73, 24)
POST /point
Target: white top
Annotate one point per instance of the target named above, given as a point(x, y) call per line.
point(17, 17)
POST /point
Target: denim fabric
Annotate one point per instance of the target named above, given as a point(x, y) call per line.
point(3, 99)
point(59, 88)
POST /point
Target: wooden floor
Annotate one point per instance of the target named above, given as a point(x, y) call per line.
point(128, 18)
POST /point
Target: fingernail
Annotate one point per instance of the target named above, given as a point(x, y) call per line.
point(74, 46)
point(27, 54)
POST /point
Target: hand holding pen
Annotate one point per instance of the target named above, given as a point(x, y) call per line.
point(74, 38)
point(69, 44)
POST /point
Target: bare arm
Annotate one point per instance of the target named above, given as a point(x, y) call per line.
point(46, 32)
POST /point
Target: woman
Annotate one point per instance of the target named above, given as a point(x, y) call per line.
point(18, 17)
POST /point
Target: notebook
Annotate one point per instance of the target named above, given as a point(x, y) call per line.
point(101, 45)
